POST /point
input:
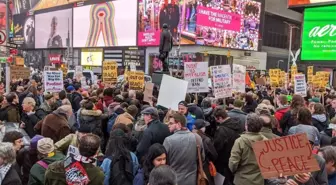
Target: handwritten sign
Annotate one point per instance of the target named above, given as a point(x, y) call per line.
point(238, 76)
point(274, 77)
point(136, 80)
point(310, 73)
point(148, 93)
point(53, 81)
point(19, 61)
point(294, 71)
point(287, 155)
point(196, 73)
point(300, 85)
point(222, 83)
point(110, 72)
point(19, 72)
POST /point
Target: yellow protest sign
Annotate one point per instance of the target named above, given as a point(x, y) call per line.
point(294, 71)
point(282, 79)
point(19, 72)
point(110, 72)
point(19, 61)
point(136, 80)
point(64, 69)
point(274, 77)
point(310, 73)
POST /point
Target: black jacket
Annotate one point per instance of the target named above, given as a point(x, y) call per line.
point(11, 178)
point(326, 136)
point(75, 101)
point(196, 110)
point(93, 119)
point(25, 159)
point(287, 121)
point(225, 136)
point(166, 41)
point(321, 125)
point(31, 120)
point(250, 107)
point(156, 132)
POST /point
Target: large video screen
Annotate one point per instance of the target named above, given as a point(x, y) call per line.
point(300, 3)
point(106, 24)
point(24, 31)
point(92, 57)
point(318, 35)
point(229, 23)
point(51, 30)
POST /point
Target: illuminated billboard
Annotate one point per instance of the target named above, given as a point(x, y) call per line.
point(300, 3)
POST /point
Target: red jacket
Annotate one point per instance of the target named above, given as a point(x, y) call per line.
point(279, 113)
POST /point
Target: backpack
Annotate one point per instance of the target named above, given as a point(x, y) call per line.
point(111, 121)
point(43, 164)
point(121, 170)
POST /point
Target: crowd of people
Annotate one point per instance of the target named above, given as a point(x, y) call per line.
point(111, 136)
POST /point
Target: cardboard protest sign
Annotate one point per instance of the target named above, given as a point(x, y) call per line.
point(261, 81)
point(300, 86)
point(110, 72)
point(196, 73)
point(294, 71)
point(274, 77)
point(287, 155)
point(19, 72)
point(222, 83)
point(282, 78)
point(148, 93)
point(238, 78)
point(19, 61)
point(172, 91)
point(136, 80)
point(53, 81)
point(310, 73)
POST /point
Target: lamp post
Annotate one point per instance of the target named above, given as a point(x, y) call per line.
point(291, 27)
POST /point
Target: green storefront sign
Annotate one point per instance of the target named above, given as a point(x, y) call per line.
point(319, 34)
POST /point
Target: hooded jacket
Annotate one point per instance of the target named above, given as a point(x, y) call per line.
point(225, 136)
point(196, 110)
point(92, 118)
point(236, 113)
point(320, 121)
point(243, 163)
point(280, 112)
point(125, 119)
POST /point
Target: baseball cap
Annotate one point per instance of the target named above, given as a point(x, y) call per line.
point(70, 88)
point(200, 123)
point(184, 103)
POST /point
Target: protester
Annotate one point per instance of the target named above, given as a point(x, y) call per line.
point(48, 103)
point(237, 112)
point(268, 126)
point(12, 113)
point(250, 103)
point(30, 117)
point(163, 175)
point(329, 155)
point(282, 102)
point(183, 109)
point(193, 108)
point(14, 137)
point(76, 97)
point(332, 108)
point(319, 117)
point(127, 118)
point(8, 175)
point(290, 117)
point(328, 133)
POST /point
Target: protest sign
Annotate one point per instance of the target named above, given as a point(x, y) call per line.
point(19, 72)
point(294, 71)
point(136, 80)
point(310, 73)
point(72, 151)
point(53, 81)
point(282, 79)
point(172, 91)
point(110, 73)
point(300, 86)
point(274, 77)
point(222, 83)
point(238, 76)
point(261, 81)
point(19, 61)
point(196, 73)
point(287, 155)
point(148, 93)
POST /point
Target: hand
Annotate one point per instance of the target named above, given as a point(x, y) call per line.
point(22, 125)
point(291, 182)
point(302, 178)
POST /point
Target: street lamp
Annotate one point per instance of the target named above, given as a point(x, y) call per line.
point(291, 27)
point(278, 63)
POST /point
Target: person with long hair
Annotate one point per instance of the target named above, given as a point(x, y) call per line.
point(319, 117)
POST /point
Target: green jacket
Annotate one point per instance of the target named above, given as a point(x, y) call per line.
point(55, 174)
point(267, 132)
point(37, 172)
point(243, 163)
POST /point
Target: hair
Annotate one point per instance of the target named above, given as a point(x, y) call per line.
point(178, 117)
point(117, 144)
point(62, 95)
point(32, 89)
point(99, 91)
point(206, 103)
point(153, 152)
point(139, 95)
point(108, 92)
point(12, 136)
point(188, 98)
point(122, 127)
point(7, 153)
point(89, 145)
point(283, 99)
point(10, 97)
point(319, 109)
point(249, 98)
point(132, 94)
point(162, 175)
point(77, 86)
point(254, 123)
point(304, 116)
point(29, 101)
point(88, 105)
point(220, 113)
point(297, 102)
point(136, 103)
point(132, 110)
point(117, 99)
point(333, 120)
point(269, 124)
point(329, 154)
point(116, 92)
point(238, 103)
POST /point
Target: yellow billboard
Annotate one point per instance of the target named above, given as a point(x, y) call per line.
point(92, 57)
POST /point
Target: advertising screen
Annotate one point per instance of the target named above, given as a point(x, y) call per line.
point(319, 34)
point(51, 30)
point(106, 24)
point(300, 3)
point(92, 57)
point(24, 31)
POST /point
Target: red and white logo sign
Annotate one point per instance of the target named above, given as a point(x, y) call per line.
point(55, 58)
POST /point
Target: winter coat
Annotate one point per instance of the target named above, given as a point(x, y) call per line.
point(267, 132)
point(139, 128)
point(196, 110)
point(288, 120)
point(31, 119)
point(250, 107)
point(225, 136)
point(139, 179)
point(55, 174)
point(179, 144)
point(320, 121)
point(243, 163)
point(75, 101)
point(13, 114)
point(190, 121)
point(54, 126)
point(37, 172)
point(25, 159)
point(326, 136)
point(46, 107)
point(125, 119)
point(280, 112)
point(166, 41)
point(156, 132)
point(311, 131)
point(236, 113)
point(332, 179)
point(92, 118)
point(11, 177)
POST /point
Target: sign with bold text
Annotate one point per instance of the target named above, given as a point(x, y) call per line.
point(53, 81)
point(196, 73)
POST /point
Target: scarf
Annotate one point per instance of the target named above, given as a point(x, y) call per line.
point(3, 171)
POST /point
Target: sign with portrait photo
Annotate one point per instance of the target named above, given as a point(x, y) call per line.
point(24, 31)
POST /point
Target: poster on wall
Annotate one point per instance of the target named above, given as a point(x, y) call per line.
point(24, 31)
point(300, 3)
point(92, 57)
point(111, 23)
point(51, 29)
point(196, 73)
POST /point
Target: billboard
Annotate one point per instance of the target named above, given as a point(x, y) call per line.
point(106, 24)
point(300, 3)
point(230, 23)
point(318, 35)
point(51, 29)
point(24, 31)
point(92, 57)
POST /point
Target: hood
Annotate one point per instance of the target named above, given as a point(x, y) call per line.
point(140, 125)
point(127, 116)
point(108, 100)
point(233, 123)
point(249, 138)
point(238, 111)
point(57, 157)
point(207, 111)
point(95, 113)
point(320, 117)
point(114, 105)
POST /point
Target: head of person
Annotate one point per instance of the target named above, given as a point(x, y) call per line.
point(117, 144)
point(88, 105)
point(253, 123)
point(132, 110)
point(268, 121)
point(49, 98)
point(14, 137)
point(329, 155)
point(162, 175)
point(108, 92)
point(156, 156)
point(200, 125)
point(28, 104)
point(132, 94)
point(220, 115)
point(238, 104)
point(70, 89)
point(150, 114)
point(45, 147)
point(7, 154)
point(19, 89)
point(177, 121)
point(62, 95)
point(118, 98)
point(89, 145)
point(165, 26)
point(282, 100)
point(262, 109)
point(183, 107)
point(12, 98)
point(297, 102)
point(333, 102)
point(53, 24)
point(206, 103)
point(249, 98)
point(304, 116)
point(65, 109)
point(77, 87)
point(318, 108)
point(83, 130)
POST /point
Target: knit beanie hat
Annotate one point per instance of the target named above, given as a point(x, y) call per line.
point(45, 146)
point(34, 140)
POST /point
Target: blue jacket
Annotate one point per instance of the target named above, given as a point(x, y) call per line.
point(107, 163)
point(190, 121)
point(332, 179)
point(139, 179)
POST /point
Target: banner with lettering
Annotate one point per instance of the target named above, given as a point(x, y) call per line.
point(110, 72)
point(53, 81)
point(222, 82)
point(19, 72)
point(238, 75)
point(300, 86)
point(274, 77)
point(136, 80)
point(294, 71)
point(196, 73)
point(310, 73)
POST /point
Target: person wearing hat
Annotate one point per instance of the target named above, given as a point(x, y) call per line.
point(237, 112)
point(128, 117)
point(47, 104)
point(183, 109)
point(47, 154)
point(156, 131)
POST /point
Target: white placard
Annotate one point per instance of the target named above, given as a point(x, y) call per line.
point(172, 91)
point(53, 81)
point(300, 85)
point(238, 78)
point(222, 83)
point(74, 151)
point(196, 73)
